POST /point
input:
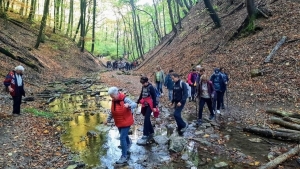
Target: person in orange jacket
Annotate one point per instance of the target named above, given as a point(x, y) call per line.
point(121, 112)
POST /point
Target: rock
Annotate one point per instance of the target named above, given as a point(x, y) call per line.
point(171, 126)
point(255, 140)
point(215, 136)
point(209, 130)
point(272, 155)
point(227, 137)
point(177, 144)
point(214, 123)
point(203, 141)
point(199, 132)
point(221, 165)
point(206, 124)
point(185, 157)
point(92, 134)
point(161, 139)
point(50, 100)
point(28, 99)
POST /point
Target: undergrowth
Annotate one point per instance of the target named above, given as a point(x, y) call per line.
point(39, 113)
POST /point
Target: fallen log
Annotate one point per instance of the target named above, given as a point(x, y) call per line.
point(291, 119)
point(278, 160)
point(273, 134)
point(283, 123)
point(283, 113)
point(277, 46)
point(287, 130)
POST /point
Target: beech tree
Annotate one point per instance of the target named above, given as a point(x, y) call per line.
point(214, 16)
point(43, 23)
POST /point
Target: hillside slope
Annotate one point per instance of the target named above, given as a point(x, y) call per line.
point(198, 43)
point(57, 58)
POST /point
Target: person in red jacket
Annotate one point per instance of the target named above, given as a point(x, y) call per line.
point(121, 112)
point(15, 85)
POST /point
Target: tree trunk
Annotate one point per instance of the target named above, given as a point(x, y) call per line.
point(187, 5)
point(278, 160)
point(171, 17)
point(26, 7)
point(273, 134)
point(135, 30)
point(83, 13)
point(283, 113)
point(141, 46)
point(56, 15)
point(251, 9)
point(22, 8)
point(61, 14)
point(43, 23)
point(94, 23)
point(178, 14)
point(70, 17)
point(31, 11)
point(287, 130)
point(154, 24)
point(214, 16)
point(179, 2)
point(157, 29)
point(285, 123)
point(164, 17)
point(118, 23)
point(78, 26)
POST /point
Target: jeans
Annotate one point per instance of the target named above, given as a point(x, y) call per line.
point(124, 139)
point(148, 128)
point(217, 100)
point(193, 91)
point(209, 103)
point(222, 99)
point(177, 115)
point(170, 95)
point(159, 86)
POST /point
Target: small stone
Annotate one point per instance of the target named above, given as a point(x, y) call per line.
point(199, 132)
point(206, 124)
point(185, 156)
point(221, 165)
point(227, 137)
point(209, 130)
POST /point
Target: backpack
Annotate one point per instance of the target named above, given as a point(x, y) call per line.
point(157, 93)
point(217, 81)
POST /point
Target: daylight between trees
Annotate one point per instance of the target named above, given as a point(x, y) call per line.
point(115, 28)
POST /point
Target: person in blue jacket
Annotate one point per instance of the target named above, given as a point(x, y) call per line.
point(219, 86)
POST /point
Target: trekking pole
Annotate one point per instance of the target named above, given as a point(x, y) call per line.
point(196, 108)
point(227, 103)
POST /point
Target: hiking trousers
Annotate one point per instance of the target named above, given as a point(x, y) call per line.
point(148, 128)
point(209, 103)
point(177, 115)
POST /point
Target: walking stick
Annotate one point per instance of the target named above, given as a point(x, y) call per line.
point(196, 108)
point(227, 103)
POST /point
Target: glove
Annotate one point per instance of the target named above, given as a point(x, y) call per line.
point(212, 96)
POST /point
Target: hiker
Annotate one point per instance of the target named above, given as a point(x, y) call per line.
point(191, 80)
point(226, 79)
point(159, 79)
point(14, 83)
point(169, 84)
point(205, 95)
point(149, 104)
point(219, 86)
point(121, 112)
point(179, 100)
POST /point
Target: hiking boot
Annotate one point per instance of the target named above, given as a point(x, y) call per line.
point(122, 160)
point(211, 117)
point(218, 112)
point(184, 129)
point(199, 122)
point(190, 99)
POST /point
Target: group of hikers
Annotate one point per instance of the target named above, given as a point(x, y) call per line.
point(121, 65)
point(197, 86)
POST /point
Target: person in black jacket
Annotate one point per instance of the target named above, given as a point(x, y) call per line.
point(180, 95)
point(148, 100)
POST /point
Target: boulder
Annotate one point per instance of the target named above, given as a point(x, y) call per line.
point(221, 165)
point(161, 140)
point(177, 144)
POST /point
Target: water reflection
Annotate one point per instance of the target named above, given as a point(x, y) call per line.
point(86, 115)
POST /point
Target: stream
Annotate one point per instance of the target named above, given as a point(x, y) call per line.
point(97, 145)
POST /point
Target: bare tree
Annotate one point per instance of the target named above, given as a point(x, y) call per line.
point(43, 23)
